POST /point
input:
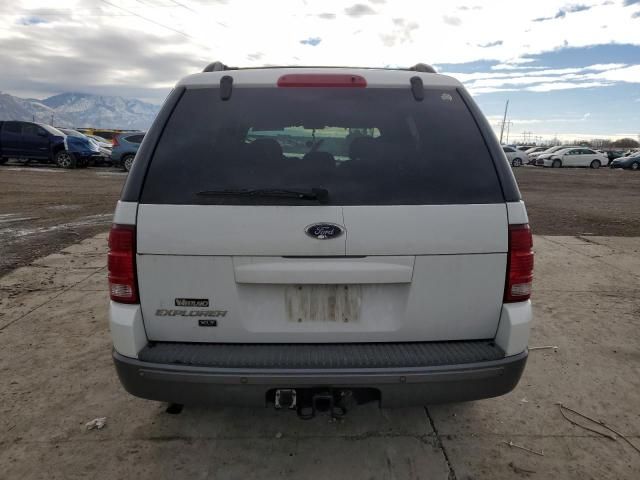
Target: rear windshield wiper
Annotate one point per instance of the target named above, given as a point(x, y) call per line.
point(319, 194)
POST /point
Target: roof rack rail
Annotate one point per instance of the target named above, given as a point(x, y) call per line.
point(217, 67)
point(220, 67)
point(423, 67)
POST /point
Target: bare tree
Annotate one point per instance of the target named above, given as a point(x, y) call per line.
point(626, 143)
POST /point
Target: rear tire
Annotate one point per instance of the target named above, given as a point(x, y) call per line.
point(127, 162)
point(635, 166)
point(65, 160)
point(556, 164)
point(516, 162)
point(595, 164)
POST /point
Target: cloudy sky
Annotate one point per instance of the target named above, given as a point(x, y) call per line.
point(566, 68)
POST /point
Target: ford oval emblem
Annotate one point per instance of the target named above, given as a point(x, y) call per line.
point(324, 231)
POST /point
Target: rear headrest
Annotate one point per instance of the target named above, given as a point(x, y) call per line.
point(324, 158)
point(362, 147)
point(266, 149)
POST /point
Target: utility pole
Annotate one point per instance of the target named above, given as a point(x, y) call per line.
point(504, 119)
point(508, 126)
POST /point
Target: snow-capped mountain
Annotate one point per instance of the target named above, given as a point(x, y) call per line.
point(80, 110)
point(15, 108)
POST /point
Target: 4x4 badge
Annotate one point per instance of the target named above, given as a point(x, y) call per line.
point(324, 231)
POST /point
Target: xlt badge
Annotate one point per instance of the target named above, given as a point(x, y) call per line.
point(208, 323)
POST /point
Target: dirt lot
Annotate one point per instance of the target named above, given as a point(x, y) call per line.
point(44, 209)
point(57, 374)
point(578, 201)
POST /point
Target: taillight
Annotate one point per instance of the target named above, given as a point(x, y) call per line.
point(519, 264)
point(122, 264)
point(115, 142)
point(321, 80)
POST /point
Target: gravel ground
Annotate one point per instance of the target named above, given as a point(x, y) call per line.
point(44, 209)
point(57, 371)
point(57, 375)
point(580, 201)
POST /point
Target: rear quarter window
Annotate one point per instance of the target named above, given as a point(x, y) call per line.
point(134, 138)
point(369, 146)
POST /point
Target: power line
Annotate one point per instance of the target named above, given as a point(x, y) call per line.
point(183, 6)
point(149, 20)
point(198, 41)
point(51, 13)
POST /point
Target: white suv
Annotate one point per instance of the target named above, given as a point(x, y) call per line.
point(317, 237)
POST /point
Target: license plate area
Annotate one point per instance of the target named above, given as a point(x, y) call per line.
point(323, 303)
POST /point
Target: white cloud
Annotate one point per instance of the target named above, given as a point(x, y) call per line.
point(235, 32)
point(606, 66)
point(497, 119)
point(548, 87)
point(569, 137)
point(629, 74)
point(546, 80)
point(267, 33)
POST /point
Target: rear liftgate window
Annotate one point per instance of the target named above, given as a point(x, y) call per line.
point(364, 146)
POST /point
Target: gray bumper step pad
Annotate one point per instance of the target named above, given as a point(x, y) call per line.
point(321, 356)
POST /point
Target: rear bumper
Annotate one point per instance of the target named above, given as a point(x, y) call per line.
point(398, 386)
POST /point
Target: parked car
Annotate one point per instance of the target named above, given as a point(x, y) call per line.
point(530, 154)
point(532, 150)
point(572, 157)
point(37, 141)
point(104, 154)
point(243, 272)
point(613, 154)
point(106, 147)
point(631, 162)
point(105, 133)
point(515, 157)
point(102, 142)
point(125, 146)
point(535, 155)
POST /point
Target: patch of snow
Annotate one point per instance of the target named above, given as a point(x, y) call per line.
point(98, 219)
point(64, 207)
point(16, 219)
point(30, 169)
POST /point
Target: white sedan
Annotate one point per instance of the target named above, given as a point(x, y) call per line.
point(516, 157)
point(572, 157)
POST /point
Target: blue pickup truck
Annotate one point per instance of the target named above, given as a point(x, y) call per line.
point(44, 143)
